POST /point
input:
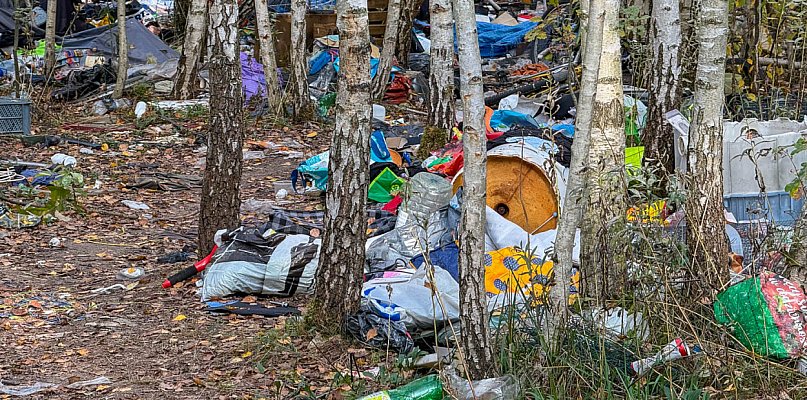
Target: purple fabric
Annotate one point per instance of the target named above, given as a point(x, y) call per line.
point(252, 76)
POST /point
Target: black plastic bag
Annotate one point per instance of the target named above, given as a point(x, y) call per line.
point(375, 331)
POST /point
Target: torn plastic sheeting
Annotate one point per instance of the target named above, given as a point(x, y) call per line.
point(618, 323)
point(27, 390)
point(180, 104)
point(501, 233)
point(422, 300)
point(503, 120)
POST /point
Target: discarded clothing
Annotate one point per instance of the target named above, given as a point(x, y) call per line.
point(242, 308)
point(295, 222)
point(12, 220)
point(82, 82)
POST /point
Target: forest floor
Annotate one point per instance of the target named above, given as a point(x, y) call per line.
point(151, 343)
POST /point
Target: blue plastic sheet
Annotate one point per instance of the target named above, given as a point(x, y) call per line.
point(495, 40)
point(373, 66)
point(503, 120)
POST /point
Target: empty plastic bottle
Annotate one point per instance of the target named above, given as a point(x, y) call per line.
point(426, 388)
point(427, 194)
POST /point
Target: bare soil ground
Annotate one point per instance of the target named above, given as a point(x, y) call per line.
point(150, 342)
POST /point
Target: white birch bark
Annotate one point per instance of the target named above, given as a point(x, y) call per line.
point(601, 267)
point(664, 82)
point(704, 205)
point(195, 31)
point(299, 99)
point(266, 39)
point(391, 33)
point(478, 360)
point(123, 51)
point(50, 40)
point(339, 276)
point(575, 201)
point(220, 200)
point(441, 65)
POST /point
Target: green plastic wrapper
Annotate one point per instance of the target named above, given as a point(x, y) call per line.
point(766, 314)
point(382, 187)
point(426, 388)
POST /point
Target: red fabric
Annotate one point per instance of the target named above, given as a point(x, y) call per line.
point(398, 90)
point(392, 205)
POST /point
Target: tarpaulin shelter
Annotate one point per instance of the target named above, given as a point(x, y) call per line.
point(144, 46)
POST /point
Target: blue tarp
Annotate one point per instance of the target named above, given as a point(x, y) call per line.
point(495, 40)
point(503, 120)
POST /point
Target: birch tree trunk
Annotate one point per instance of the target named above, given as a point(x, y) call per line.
point(181, 11)
point(478, 358)
point(266, 39)
point(602, 269)
point(665, 92)
point(408, 10)
point(188, 66)
point(575, 199)
point(17, 23)
point(299, 100)
point(50, 40)
point(441, 79)
point(341, 262)
point(704, 206)
point(441, 70)
point(123, 51)
point(222, 181)
point(391, 33)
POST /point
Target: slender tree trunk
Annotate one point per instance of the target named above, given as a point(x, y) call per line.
point(665, 92)
point(221, 185)
point(188, 66)
point(704, 206)
point(441, 70)
point(50, 40)
point(341, 261)
point(180, 11)
point(299, 99)
point(266, 39)
point(391, 34)
point(123, 51)
point(17, 80)
point(408, 10)
point(602, 267)
point(575, 199)
point(478, 358)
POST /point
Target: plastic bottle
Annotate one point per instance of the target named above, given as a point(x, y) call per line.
point(428, 193)
point(426, 388)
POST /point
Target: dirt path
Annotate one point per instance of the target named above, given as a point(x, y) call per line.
point(150, 342)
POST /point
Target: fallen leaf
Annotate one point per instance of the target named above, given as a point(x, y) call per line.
point(372, 333)
point(249, 299)
point(35, 304)
point(180, 317)
point(311, 134)
point(246, 354)
point(83, 352)
point(198, 381)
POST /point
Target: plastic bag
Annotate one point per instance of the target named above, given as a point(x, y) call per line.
point(502, 388)
point(766, 314)
point(314, 170)
point(375, 331)
point(278, 265)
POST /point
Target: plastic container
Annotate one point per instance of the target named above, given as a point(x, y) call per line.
point(779, 207)
point(15, 116)
point(427, 388)
point(427, 194)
